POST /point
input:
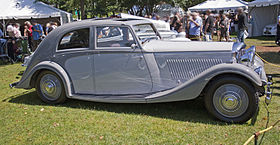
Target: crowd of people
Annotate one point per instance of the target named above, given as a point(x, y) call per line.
point(32, 32)
point(199, 26)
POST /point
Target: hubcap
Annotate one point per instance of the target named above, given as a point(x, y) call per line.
point(230, 100)
point(50, 87)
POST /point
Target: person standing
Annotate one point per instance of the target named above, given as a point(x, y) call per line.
point(187, 25)
point(2, 42)
point(16, 30)
point(10, 30)
point(217, 26)
point(37, 33)
point(240, 18)
point(176, 22)
point(224, 27)
point(277, 41)
point(48, 26)
point(209, 24)
point(28, 33)
point(228, 27)
point(195, 27)
point(53, 25)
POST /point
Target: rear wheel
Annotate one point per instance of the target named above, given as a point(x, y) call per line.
point(50, 88)
point(231, 99)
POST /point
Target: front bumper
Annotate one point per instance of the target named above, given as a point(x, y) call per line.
point(269, 90)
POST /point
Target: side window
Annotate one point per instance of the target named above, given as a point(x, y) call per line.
point(114, 37)
point(75, 39)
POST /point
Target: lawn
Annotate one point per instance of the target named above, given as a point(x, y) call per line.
point(25, 119)
point(265, 41)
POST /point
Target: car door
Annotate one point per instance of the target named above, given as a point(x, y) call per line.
point(73, 54)
point(119, 65)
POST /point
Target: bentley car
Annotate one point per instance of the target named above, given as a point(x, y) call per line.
point(112, 61)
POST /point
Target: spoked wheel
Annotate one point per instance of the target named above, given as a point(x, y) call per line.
point(50, 88)
point(231, 99)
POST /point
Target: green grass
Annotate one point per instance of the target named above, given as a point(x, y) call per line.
point(265, 41)
point(25, 119)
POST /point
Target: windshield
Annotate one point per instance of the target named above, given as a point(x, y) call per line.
point(145, 32)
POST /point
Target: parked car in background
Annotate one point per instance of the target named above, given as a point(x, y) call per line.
point(162, 27)
point(111, 61)
point(270, 30)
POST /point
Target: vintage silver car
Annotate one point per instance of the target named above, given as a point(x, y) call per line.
point(107, 61)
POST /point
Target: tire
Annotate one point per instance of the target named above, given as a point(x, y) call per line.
point(231, 99)
point(50, 88)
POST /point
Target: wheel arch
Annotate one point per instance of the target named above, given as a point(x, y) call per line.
point(30, 80)
point(229, 74)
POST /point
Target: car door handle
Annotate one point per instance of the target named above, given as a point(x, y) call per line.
point(137, 57)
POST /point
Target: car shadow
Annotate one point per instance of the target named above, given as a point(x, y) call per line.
point(191, 111)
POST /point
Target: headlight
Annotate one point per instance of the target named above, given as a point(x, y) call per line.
point(259, 70)
point(247, 56)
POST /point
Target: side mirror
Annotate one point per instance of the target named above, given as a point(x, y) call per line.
point(133, 46)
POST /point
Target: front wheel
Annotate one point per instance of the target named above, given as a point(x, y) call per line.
point(50, 88)
point(231, 99)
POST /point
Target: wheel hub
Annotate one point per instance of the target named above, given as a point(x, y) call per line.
point(50, 87)
point(230, 101)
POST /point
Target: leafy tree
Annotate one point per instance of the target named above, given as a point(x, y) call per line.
point(93, 8)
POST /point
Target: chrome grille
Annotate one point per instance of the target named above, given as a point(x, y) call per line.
point(189, 68)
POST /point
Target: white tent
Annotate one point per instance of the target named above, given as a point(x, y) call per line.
point(27, 9)
point(219, 5)
point(263, 12)
point(263, 3)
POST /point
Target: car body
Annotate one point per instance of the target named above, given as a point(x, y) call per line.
point(270, 30)
point(110, 61)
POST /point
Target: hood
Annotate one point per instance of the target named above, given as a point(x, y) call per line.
point(271, 26)
point(177, 46)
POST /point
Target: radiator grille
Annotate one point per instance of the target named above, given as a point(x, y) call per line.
point(189, 68)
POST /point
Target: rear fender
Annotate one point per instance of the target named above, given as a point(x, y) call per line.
point(26, 81)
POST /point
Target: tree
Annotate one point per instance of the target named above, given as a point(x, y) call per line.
point(100, 8)
point(82, 8)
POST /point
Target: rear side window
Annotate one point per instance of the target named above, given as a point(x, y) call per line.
point(75, 39)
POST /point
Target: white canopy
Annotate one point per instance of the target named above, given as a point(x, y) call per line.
point(219, 5)
point(262, 3)
point(27, 9)
point(263, 12)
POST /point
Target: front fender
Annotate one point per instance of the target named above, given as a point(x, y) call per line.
point(25, 81)
point(194, 87)
point(235, 68)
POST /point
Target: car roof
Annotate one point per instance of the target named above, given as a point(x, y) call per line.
point(105, 21)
